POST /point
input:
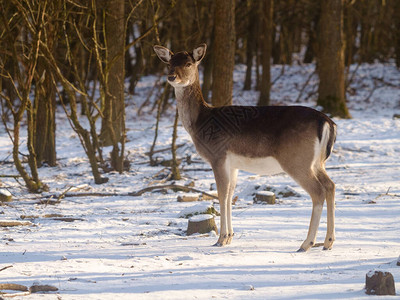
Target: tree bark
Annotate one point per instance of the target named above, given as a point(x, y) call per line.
point(251, 42)
point(114, 106)
point(266, 42)
point(331, 89)
point(176, 175)
point(396, 20)
point(223, 52)
point(45, 125)
point(314, 11)
point(207, 74)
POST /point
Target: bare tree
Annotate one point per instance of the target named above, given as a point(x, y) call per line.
point(266, 44)
point(331, 90)
point(45, 94)
point(223, 52)
point(114, 71)
point(22, 34)
point(251, 40)
point(396, 21)
point(112, 79)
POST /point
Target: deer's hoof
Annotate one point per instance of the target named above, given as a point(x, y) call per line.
point(328, 243)
point(230, 238)
point(222, 241)
point(301, 250)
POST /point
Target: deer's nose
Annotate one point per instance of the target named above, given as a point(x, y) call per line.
point(171, 77)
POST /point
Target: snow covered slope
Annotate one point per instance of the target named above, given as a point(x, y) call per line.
point(135, 247)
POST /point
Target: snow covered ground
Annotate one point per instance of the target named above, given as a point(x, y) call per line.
point(135, 247)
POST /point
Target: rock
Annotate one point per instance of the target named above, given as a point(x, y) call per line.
point(42, 288)
point(288, 192)
point(398, 261)
point(396, 116)
point(379, 283)
point(13, 287)
point(12, 223)
point(201, 224)
point(248, 287)
point(265, 197)
point(188, 198)
point(5, 196)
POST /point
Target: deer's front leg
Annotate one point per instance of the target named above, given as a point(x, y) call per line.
point(231, 189)
point(222, 181)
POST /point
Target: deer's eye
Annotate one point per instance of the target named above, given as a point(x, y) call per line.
point(188, 65)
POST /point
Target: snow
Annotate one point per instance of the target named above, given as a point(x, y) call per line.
point(136, 247)
point(5, 193)
point(199, 218)
point(200, 208)
point(266, 193)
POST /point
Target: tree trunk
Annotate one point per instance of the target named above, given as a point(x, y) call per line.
point(207, 74)
point(396, 20)
point(45, 123)
point(223, 52)
point(331, 90)
point(266, 44)
point(251, 43)
point(314, 11)
point(114, 106)
point(350, 32)
point(176, 175)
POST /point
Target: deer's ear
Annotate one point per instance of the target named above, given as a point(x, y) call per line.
point(163, 53)
point(199, 52)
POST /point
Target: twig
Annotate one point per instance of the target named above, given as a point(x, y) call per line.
point(350, 80)
point(9, 176)
point(157, 86)
point(386, 194)
point(6, 267)
point(170, 186)
point(94, 194)
point(198, 170)
point(63, 194)
point(372, 91)
point(279, 76)
point(385, 82)
point(304, 86)
point(165, 149)
point(137, 193)
point(168, 177)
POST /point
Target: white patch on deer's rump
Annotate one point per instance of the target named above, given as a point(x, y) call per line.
point(320, 147)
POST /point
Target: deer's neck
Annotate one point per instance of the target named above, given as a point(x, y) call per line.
point(190, 102)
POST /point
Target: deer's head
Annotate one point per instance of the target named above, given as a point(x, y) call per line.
point(182, 66)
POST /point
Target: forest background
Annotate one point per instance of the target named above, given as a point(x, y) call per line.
point(88, 56)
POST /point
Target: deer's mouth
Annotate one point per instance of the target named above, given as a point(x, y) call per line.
point(176, 82)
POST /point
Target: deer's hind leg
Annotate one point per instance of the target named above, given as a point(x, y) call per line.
point(311, 184)
point(329, 186)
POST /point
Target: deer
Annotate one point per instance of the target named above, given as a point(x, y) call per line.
point(264, 140)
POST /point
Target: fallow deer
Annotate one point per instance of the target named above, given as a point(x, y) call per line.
point(260, 139)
